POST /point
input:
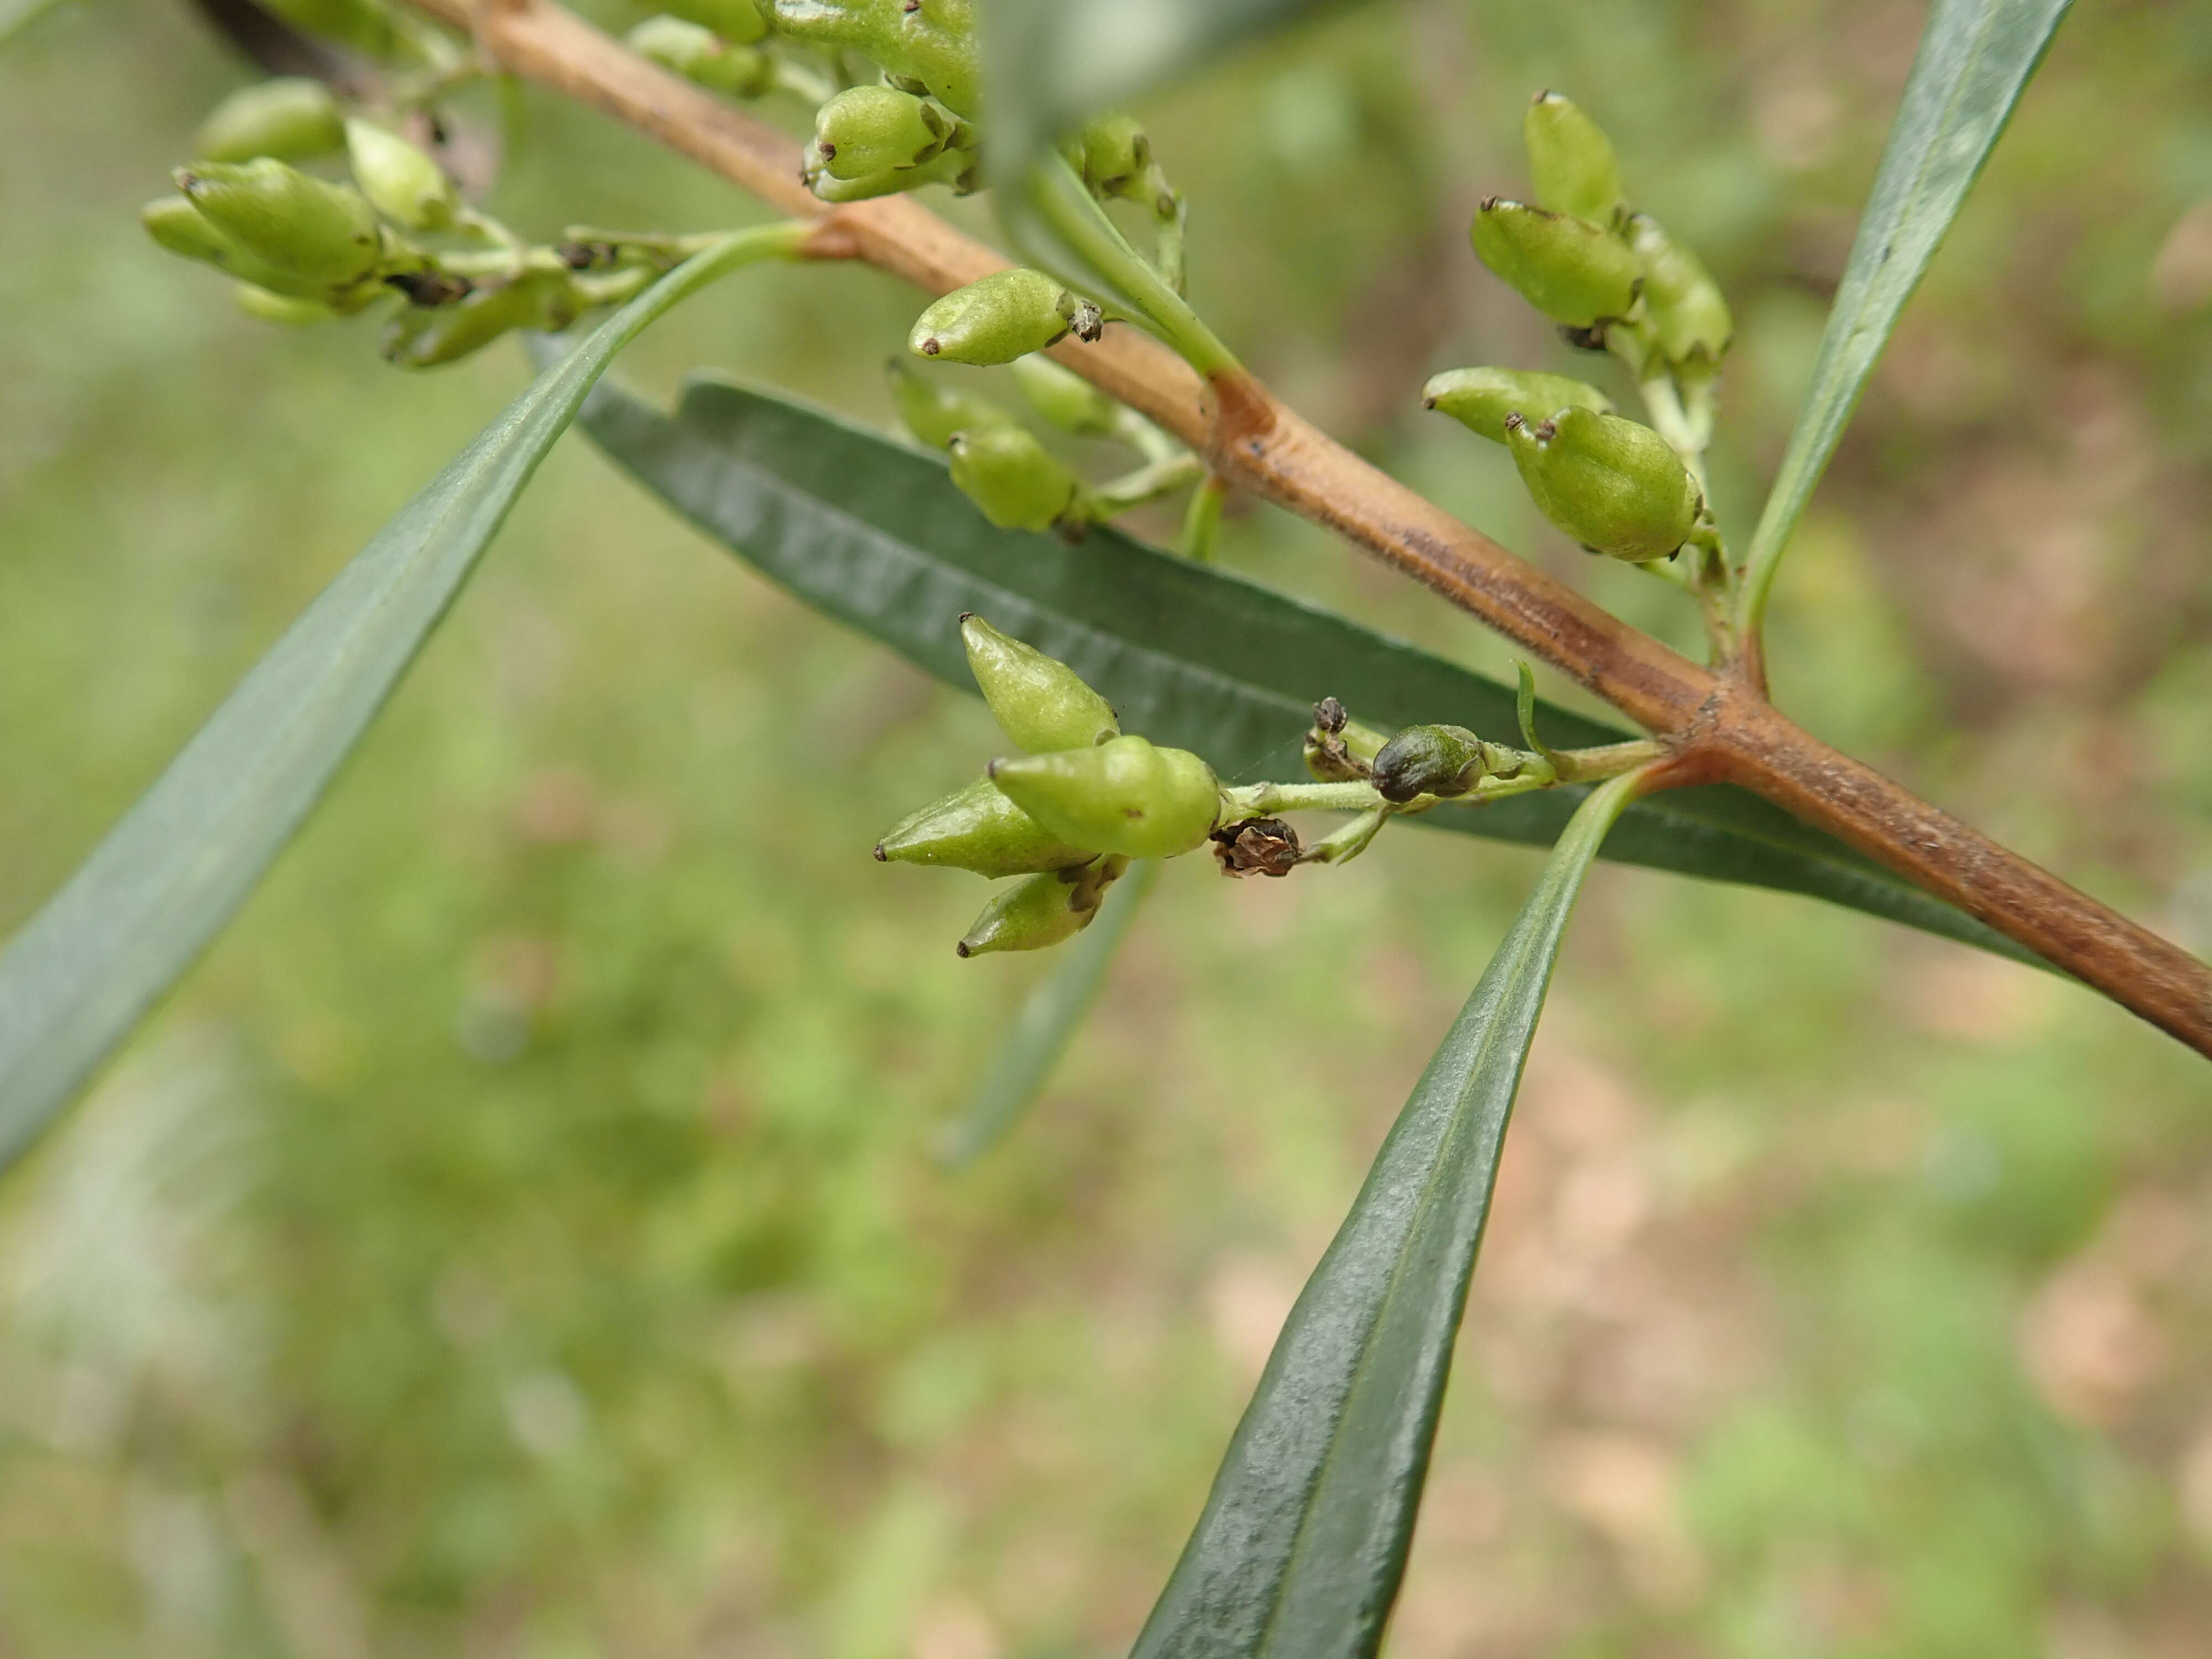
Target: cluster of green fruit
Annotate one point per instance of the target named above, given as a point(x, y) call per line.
point(1614, 280)
point(306, 249)
point(1068, 814)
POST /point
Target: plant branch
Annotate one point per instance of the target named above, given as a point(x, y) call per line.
point(1716, 725)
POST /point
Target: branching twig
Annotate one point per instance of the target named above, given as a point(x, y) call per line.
point(1716, 727)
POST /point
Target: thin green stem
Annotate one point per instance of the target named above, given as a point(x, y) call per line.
point(1147, 484)
point(1201, 520)
point(1063, 201)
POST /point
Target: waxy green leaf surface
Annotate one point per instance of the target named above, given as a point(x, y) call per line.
point(84, 969)
point(1301, 1544)
point(1975, 60)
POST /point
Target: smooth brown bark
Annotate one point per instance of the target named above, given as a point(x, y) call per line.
point(1718, 725)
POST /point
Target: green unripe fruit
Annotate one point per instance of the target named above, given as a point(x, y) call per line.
point(864, 130)
point(933, 412)
point(1040, 911)
point(1007, 314)
point(1064, 397)
point(1429, 759)
point(703, 56)
point(321, 232)
point(1012, 478)
point(1111, 153)
point(1041, 704)
point(1615, 486)
point(1124, 796)
point(259, 302)
point(978, 829)
point(425, 337)
point(932, 42)
point(402, 182)
point(738, 22)
point(288, 118)
point(1481, 398)
point(1571, 161)
point(365, 24)
point(1575, 272)
point(1687, 308)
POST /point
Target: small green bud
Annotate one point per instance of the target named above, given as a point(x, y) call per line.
point(1041, 704)
point(423, 337)
point(1042, 910)
point(864, 130)
point(1007, 314)
point(368, 26)
point(1064, 397)
point(1430, 760)
point(1481, 398)
point(1124, 796)
point(322, 233)
point(1615, 486)
point(955, 167)
point(978, 829)
point(1685, 305)
point(1573, 271)
point(738, 22)
point(268, 308)
point(703, 56)
point(1570, 159)
point(289, 119)
point(933, 411)
point(1012, 478)
point(402, 184)
point(1111, 153)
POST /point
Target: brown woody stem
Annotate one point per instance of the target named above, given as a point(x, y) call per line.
point(1718, 726)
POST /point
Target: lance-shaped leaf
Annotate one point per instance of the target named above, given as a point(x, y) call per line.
point(85, 969)
point(876, 535)
point(1298, 1553)
point(1974, 62)
point(1047, 1024)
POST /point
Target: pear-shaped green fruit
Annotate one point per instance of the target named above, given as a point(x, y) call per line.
point(1481, 398)
point(1111, 152)
point(978, 829)
point(933, 411)
point(740, 22)
point(402, 184)
point(1041, 704)
point(1124, 796)
point(1429, 759)
point(1006, 315)
point(426, 336)
point(701, 55)
point(290, 119)
point(321, 233)
point(1064, 397)
point(268, 308)
point(1613, 484)
point(1576, 273)
point(1038, 911)
point(864, 130)
point(1571, 161)
point(1012, 478)
point(1688, 309)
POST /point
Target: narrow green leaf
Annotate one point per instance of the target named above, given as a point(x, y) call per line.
point(1974, 61)
point(1049, 1018)
point(875, 535)
point(1298, 1553)
point(83, 971)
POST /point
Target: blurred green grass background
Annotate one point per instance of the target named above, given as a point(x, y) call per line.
point(520, 1237)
